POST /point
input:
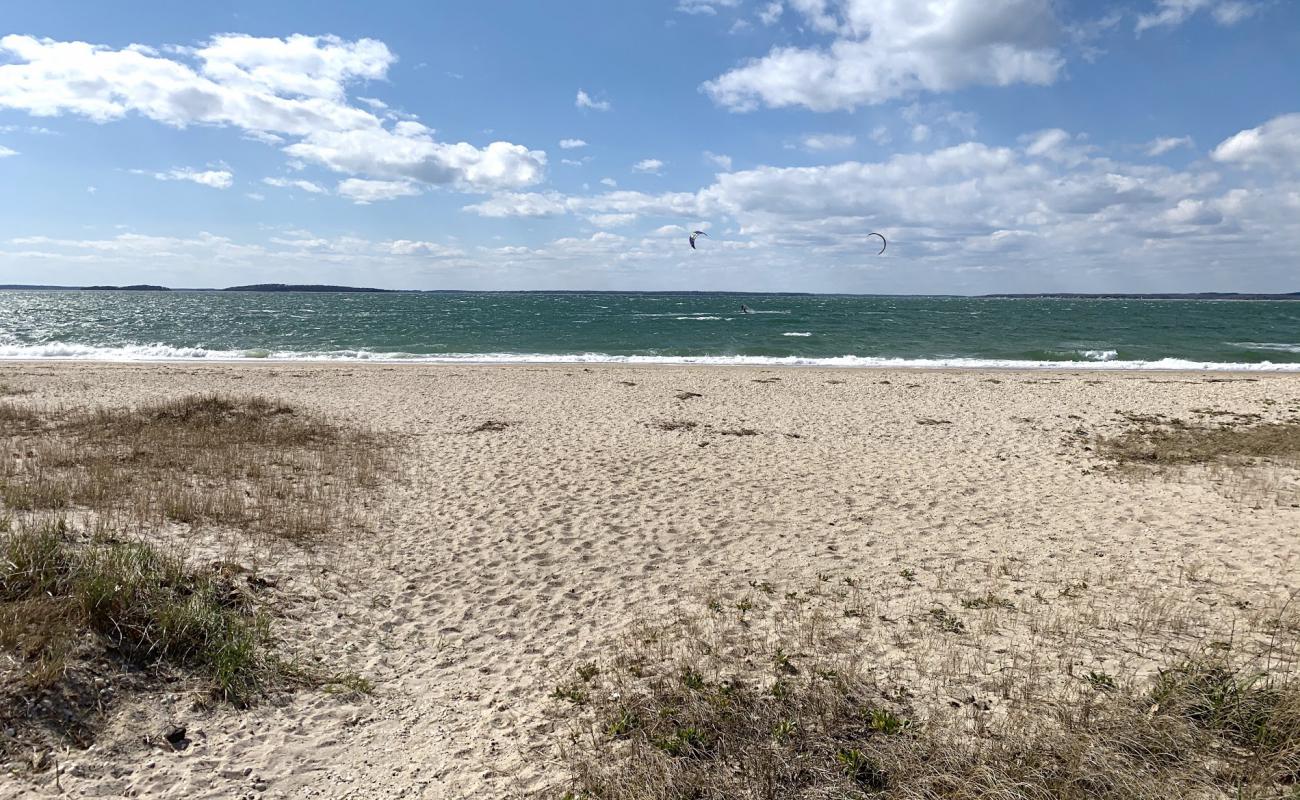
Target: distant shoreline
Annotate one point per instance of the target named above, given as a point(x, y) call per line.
point(325, 289)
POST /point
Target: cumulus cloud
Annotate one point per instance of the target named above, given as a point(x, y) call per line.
point(275, 90)
point(5, 152)
point(650, 165)
point(586, 101)
point(885, 49)
point(771, 13)
point(572, 144)
point(1276, 144)
point(214, 178)
point(1169, 13)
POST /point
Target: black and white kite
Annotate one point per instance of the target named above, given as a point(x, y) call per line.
point(694, 236)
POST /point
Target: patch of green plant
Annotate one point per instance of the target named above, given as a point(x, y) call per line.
point(1100, 681)
point(884, 721)
point(862, 770)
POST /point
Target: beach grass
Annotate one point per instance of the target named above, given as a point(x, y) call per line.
point(99, 600)
point(253, 465)
point(784, 696)
point(1251, 459)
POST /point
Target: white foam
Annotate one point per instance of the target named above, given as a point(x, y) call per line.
point(161, 352)
point(1276, 346)
point(796, 333)
point(1100, 355)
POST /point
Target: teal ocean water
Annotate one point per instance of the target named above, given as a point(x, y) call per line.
point(651, 328)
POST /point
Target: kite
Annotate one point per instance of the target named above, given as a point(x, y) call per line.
point(694, 235)
point(883, 244)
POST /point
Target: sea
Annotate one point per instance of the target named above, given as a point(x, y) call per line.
point(652, 328)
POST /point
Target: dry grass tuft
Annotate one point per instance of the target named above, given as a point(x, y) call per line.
point(85, 622)
point(94, 608)
point(1157, 441)
point(250, 464)
point(770, 698)
point(672, 425)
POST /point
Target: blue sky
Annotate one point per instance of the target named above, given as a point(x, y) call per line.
point(1001, 145)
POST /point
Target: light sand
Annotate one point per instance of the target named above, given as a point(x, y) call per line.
point(504, 558)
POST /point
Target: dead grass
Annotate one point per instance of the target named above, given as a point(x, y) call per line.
point(96, 606)
point(1161, 441)
point(784, 694)
point(1246, 459)
point(672, 425)
point(258, 466)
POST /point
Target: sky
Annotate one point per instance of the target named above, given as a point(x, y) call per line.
point(999, 145)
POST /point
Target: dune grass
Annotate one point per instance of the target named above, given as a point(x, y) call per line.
point(757, 700)
point(250, 464)
point(1173, 442)
point(97, 601)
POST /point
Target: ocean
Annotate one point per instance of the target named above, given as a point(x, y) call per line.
point(826, 330)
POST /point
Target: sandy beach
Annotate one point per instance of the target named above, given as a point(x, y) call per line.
point(497, 560)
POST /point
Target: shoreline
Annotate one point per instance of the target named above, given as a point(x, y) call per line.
point(793, 362)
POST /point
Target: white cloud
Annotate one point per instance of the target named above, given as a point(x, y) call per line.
point(1169, 13)
point(770, 13)
point(572, 144)
point(1165, 144)
point(214, 178)
point(650, 165)
point(718, 159)
point(5, 152)
point(258, 196)
point(306, 186)
point(585, 101)
point(885, 49)
point(363, 192)
point(610, 182)
point(822, 142)
point(1276, 144)
point(513, 204)
point(272, 89)
point(704, 6)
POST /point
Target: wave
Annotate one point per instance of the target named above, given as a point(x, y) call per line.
point(1273, 346)
point(162, 352)
point(796, 333)
point(1100, 355)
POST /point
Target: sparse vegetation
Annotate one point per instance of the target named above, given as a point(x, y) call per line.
point(97, 603)
point(778, 704)
point(671, 425)
point(75, 611)
point(490, 426)
point(248, 464)
point(1172, 442)
point(1248, 459)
